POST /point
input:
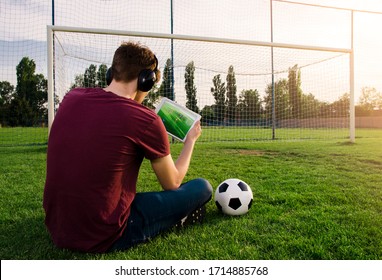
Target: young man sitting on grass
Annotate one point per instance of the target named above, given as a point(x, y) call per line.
point(96, 145)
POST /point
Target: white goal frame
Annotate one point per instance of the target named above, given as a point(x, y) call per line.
point(50, 50)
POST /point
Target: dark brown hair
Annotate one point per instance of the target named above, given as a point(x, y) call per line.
point(130, 59)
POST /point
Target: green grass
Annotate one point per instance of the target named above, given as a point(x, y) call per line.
point(18, 136)
point(312, 200)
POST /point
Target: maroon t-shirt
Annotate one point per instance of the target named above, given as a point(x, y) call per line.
point(96, 146)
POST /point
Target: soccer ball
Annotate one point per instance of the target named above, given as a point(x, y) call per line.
point(233, 197)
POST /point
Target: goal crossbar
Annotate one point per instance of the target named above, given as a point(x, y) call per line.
point(52, 28)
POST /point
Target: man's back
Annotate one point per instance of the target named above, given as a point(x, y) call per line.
point(96, 145)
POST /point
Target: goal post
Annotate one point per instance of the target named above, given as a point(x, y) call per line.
point(351, 78)
point(240, 68)
point(50, 60)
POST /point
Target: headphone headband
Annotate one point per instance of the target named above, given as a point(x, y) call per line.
point(156, 63)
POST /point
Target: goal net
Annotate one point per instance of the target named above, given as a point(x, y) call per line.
point(244, 90)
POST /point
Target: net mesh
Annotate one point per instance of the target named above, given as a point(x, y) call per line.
point(231, 83)
point(323, 75)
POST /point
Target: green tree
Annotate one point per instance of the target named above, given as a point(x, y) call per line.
point(79, 81)
point(207, 114)
point(21, 113)
point(340, 107)
point(295, 92)
point(92, 77)
point(190, 87)
point(219, 93)
point(250, 105)
point(231, 94)
point(282, 105)
point(6, 92)
point(370, 99)
point(27, 106)
point(101, 75)
point(311, 106)
point(166, 88)
point(152, 97)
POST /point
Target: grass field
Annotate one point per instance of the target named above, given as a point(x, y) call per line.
point(19, 136)
point(313, 199)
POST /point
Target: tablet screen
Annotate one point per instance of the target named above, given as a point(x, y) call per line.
point(178, 120)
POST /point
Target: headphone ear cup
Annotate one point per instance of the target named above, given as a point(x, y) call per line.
point(109, 76)
point(146, 80)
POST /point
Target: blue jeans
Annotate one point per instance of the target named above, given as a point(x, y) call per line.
point(155, 212)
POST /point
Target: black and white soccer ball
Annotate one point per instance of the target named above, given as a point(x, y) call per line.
point(233, 197)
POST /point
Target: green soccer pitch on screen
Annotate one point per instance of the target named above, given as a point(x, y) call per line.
point(177, 119)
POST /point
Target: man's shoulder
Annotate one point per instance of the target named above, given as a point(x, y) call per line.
point(142, 110)
point(112, 104)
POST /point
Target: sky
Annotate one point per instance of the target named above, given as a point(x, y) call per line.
point(25, 21)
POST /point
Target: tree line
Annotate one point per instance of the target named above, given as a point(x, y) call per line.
point(26, 103)
point(285, 98)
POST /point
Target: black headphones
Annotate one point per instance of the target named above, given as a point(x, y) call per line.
point(146, 78)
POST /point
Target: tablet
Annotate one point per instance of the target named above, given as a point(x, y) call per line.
point(178, 120)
